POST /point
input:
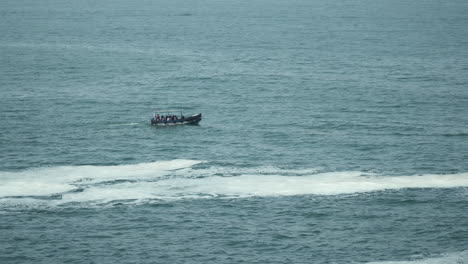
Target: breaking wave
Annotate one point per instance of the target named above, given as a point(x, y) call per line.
point(449, 258)
point(181, 179)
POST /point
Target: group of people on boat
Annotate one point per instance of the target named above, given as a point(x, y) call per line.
point(166, 118)
point(171, 119)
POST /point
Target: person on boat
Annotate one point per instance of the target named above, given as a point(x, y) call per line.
point(158, 118)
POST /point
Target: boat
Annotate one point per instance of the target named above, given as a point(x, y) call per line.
point(168, 118)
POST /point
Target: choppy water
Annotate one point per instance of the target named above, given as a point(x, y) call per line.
point(333, 131)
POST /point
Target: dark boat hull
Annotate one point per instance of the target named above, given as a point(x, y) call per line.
point(191, 120)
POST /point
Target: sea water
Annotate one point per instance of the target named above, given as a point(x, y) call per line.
point(332, 131)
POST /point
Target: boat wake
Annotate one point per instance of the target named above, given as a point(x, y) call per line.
point(194, 179)
point(124, 124)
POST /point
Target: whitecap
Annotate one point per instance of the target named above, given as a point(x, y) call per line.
point(449, 258)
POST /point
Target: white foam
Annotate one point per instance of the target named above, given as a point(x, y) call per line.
point(450, 258)
point(48, 181)
point(124, 124)
point(177, 179)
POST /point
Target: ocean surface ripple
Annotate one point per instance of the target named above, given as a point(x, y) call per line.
point(332, 132)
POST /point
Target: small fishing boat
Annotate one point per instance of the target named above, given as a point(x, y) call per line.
point(168, 118)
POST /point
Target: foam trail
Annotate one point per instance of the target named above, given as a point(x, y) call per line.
point(48, 181)
point(177, 179)
point(263, 185)
point(451, 258)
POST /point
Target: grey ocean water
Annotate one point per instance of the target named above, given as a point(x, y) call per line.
point(333, 131)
